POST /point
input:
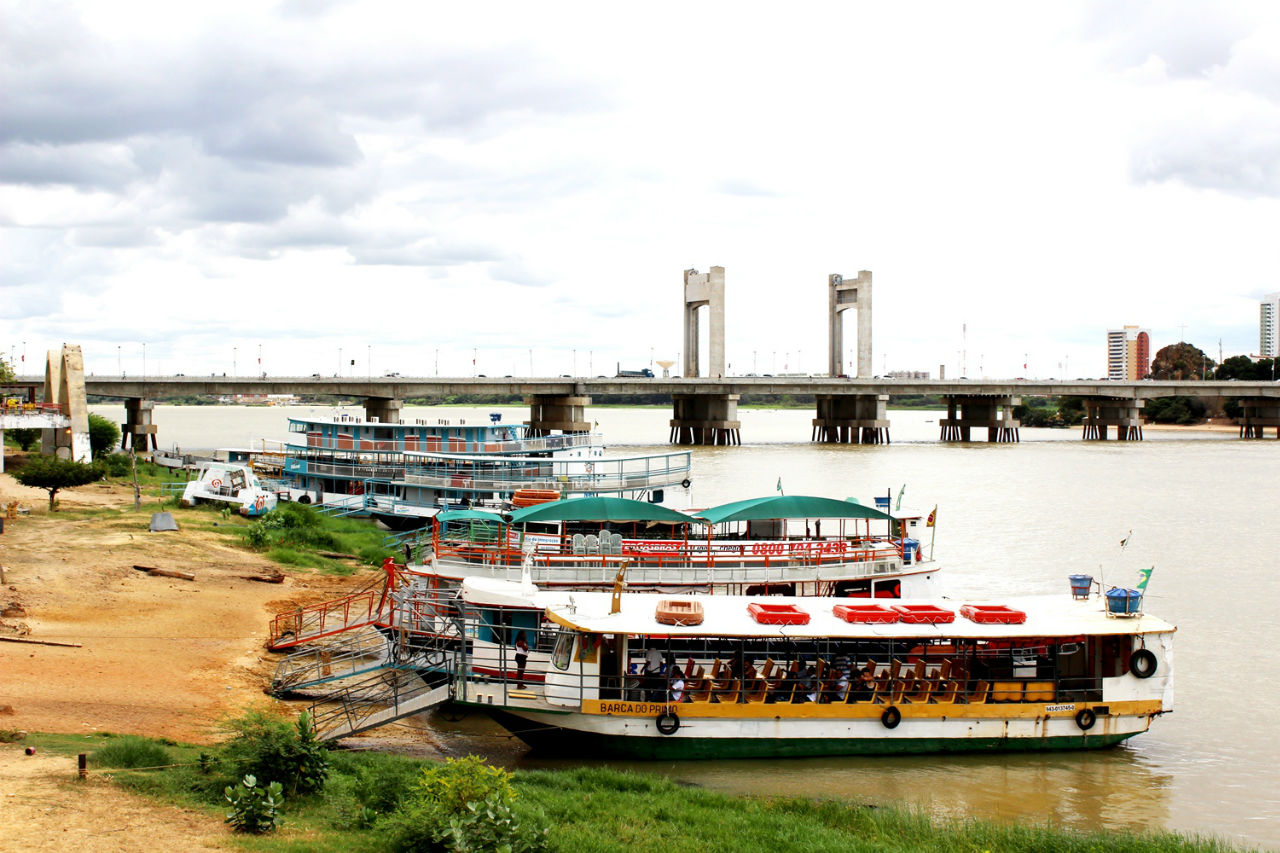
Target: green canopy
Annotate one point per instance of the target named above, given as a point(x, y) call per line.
point(468, 515)
point(599, 509)
point(789, 506)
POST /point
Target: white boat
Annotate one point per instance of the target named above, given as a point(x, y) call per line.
point(230, 483)
point(774, 677)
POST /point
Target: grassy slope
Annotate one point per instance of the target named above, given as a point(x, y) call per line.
point(596, 809)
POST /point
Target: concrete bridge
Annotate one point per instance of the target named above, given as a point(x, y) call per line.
point(705, 410)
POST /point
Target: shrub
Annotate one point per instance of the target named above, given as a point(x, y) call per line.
point(54, 474)
point(117, 465)
point(254, 809)
point(463, 804)
point(268, 747)
point(26, 438)
point(103, 435)
point(129, 752)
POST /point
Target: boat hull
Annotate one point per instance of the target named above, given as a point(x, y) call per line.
point(571, 733)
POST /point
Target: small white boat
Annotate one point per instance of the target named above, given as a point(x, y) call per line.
point(229, 483)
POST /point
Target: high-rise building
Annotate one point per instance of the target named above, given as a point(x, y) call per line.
point(1269, 326)
point(1128, 353)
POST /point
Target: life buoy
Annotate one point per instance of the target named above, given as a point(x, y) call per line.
point(1085, 718)
point(591, 467)
point(684, 483)
point(216, 483)
point(891, 717)
point(259, 502)
point(668, 723)
point(1143, 663)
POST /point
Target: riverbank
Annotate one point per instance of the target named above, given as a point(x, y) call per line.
point(585, 809)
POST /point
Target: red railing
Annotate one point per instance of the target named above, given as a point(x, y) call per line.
point(326, 618)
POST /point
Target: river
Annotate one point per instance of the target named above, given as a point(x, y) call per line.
point(1012, 519)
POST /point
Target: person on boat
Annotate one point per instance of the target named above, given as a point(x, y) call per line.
point(807, 688)
point(522, 655)
point(677, 685)
point(651, 675)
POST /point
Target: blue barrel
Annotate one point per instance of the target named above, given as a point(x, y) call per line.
point(1123, 601)
point(911, 550)
point(1080, 585)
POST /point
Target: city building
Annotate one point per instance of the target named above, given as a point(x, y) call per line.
point(1128, 353)
point(1269, 326)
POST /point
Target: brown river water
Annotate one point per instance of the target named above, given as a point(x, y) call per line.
point(1012, 519)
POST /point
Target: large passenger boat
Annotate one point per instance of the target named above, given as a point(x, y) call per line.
point(648, 676)
point(403, 473)
point(777, 545)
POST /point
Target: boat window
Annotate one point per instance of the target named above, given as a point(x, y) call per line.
point(564, 646)
point(588, 649)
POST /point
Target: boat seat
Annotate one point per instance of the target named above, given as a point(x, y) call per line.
point(593, 544)
point(579, 543)
point(756, 690)
point(947, 692)
point(1038, 691)
point(700, 688)
point(980, 693)
point(1007, 691)
point(615, 544)
point(727, 693)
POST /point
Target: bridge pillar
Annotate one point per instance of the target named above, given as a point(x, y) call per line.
point(705, 419)
point(137, 428)
point(852, 419)
point(704, 289)
point(550, 412)
point(1102, 413)
point(989, 411)
point(385, 410)
point(1257, 414)
point(843, 294)
point(64, 386)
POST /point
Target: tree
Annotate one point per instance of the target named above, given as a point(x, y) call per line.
point(1181, 361)
point(53, 474)
point(103, 435)
point(6, 371)
point(26, 437)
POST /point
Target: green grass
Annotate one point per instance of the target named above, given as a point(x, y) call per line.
point(597, 809)
point(130, 752)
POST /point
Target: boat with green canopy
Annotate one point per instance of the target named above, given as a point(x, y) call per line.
point(775, 545)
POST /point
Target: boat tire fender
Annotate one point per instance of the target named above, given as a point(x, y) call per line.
point(1142, 663)
point(1085, 718)
point(668, 723)
point(684, 483)
point(304, 499)
point(891, 717)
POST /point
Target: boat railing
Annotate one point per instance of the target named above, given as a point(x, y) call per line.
point(325, 619)
point(432, 444)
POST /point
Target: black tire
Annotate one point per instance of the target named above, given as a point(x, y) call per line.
point(668, 723)
point(305, 499)
point(1085, 719)
point(685, 482)
point(1143, 663)
point(891, 717)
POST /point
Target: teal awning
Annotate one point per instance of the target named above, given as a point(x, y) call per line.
point(599, 509)
point(468, 515)
point(789, 506)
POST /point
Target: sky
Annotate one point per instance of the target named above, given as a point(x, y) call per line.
point(516, 189)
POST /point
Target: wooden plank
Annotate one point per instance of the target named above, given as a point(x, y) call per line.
point(166, 573)
point(38, 642)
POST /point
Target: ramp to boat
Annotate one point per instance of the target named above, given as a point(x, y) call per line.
point(347, 655)
point(382, 697)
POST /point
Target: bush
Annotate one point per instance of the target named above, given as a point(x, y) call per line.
point(268, 747)
point(25, 437)
point(117, 465)
point(103, 435)
point(130, 752)
point(54, 474)
point(463, 804)
point(254, 809)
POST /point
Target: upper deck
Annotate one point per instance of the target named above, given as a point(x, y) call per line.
point(342, 432)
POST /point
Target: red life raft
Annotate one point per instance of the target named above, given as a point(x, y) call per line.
point(676, 612)
point(923, 614)
point(778, 614)
point(873, 613)
point(992, 614)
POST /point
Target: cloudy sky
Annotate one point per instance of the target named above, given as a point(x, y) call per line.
point(404, 185)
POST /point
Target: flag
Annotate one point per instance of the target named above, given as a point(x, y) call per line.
point(1125, 540)
point(780, 486)
point(933, 516)
point(1144, 575)
point(900, 493)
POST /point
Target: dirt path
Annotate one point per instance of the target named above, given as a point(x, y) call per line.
point(159, 657)
point(43, 807)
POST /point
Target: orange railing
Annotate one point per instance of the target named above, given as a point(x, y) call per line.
point(326, 618)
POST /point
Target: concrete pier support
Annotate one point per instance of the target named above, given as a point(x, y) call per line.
point(852, 419)
point(1102, 413)
point(1258, 414)
point(384, 410)
point(558, 413)
point(705, 419)
point(993, 413)
point(844, 294)
point(137, 429)
point(64, 386)
point(704, 289)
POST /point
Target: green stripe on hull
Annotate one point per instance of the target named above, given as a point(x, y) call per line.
point(567, 742)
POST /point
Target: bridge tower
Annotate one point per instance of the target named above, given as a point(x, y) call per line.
point(844, 294)
point(704, 289)
point(64, 386)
